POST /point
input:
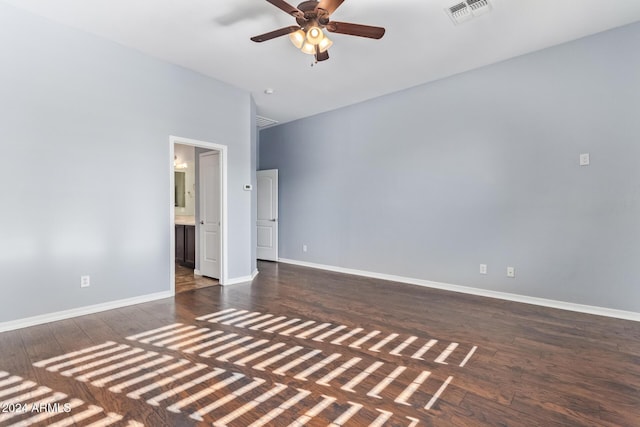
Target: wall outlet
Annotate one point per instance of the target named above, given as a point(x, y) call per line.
point(304, 248)
point(511, 272)
point(584, 159)
point(483, 268)
point(85, 281)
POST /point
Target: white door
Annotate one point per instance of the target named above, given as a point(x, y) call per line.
point(268, 215)
point(210, 214)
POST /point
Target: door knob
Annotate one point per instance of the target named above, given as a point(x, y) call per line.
point(272, 220)
point(201, 222)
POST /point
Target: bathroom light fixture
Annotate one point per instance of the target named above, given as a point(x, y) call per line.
point(179, 165)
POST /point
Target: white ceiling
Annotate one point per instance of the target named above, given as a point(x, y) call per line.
point(421, 43)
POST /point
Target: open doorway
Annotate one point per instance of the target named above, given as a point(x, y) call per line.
point(198, 214)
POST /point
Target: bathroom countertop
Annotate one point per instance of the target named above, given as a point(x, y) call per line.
point(185, 220)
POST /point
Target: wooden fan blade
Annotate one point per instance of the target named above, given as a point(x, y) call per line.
point(322, 56)
point(355, 29)
point(276, 33)
point(329, 5)
point(286, 7)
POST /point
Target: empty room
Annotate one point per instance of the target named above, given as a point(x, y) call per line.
point(327, 213)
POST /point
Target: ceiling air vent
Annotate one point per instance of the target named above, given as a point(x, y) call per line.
point(468, 9)
point(263, 122)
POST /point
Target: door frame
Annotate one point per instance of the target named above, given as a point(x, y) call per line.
point(222, 149)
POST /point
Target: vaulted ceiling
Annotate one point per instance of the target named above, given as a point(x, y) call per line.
point(421, 43)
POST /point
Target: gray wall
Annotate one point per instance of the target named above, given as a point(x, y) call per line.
point(85, 170)
point(478, 168)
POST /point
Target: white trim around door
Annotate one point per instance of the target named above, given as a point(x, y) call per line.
point(222, 149)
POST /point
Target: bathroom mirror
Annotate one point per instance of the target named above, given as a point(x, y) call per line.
point(180, 182)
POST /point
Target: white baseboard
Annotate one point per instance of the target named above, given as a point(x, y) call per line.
point(197, 273)
point(241, 279)
point(581, 308)
point(81, 311)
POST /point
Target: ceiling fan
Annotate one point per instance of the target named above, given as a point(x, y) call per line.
point(312, 17)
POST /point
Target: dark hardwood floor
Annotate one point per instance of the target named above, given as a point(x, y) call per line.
point(307, 347)
point(187, 281)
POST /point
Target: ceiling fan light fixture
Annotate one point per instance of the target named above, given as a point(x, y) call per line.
point(314, 35)
point(325, 44)
point(297, 38)
point(308, 48)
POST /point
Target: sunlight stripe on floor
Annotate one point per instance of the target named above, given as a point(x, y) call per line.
point(222, 422)
point(384, 342)
point(304, 374)
point(347, 415)
point(176, 407)
point(194, 340)
point(297, 328)
point(43, 363)
point(346, 336)
point(209, 343)
point(385, 382)
point(338, 371)
point(358, 343)
point(443, 356)
point(436, 396)
point(181, 337)
point(153, 331)
point(260, 366)
point(466, 359)
point(120, 387)
point(218, 313)
point(88, 375)
point(225, 346)
point(100, 362)
point(245, 360)
point(281, 325)
point(274, 413)
point(235, 319)
point(137, 393)
point(267, 323)
point(418, 354)
point(166, 334)
point(250, 321)
point(225, 357)
point(59, 366)
point(396, 351)
point(155, 401)
point(361, 376)
point(329, 333)
point(411, 388)
point(103, 381)
point(382, 418)
point(314, 412)
point(224, 400)
point(284, 368)
point(312, 331)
